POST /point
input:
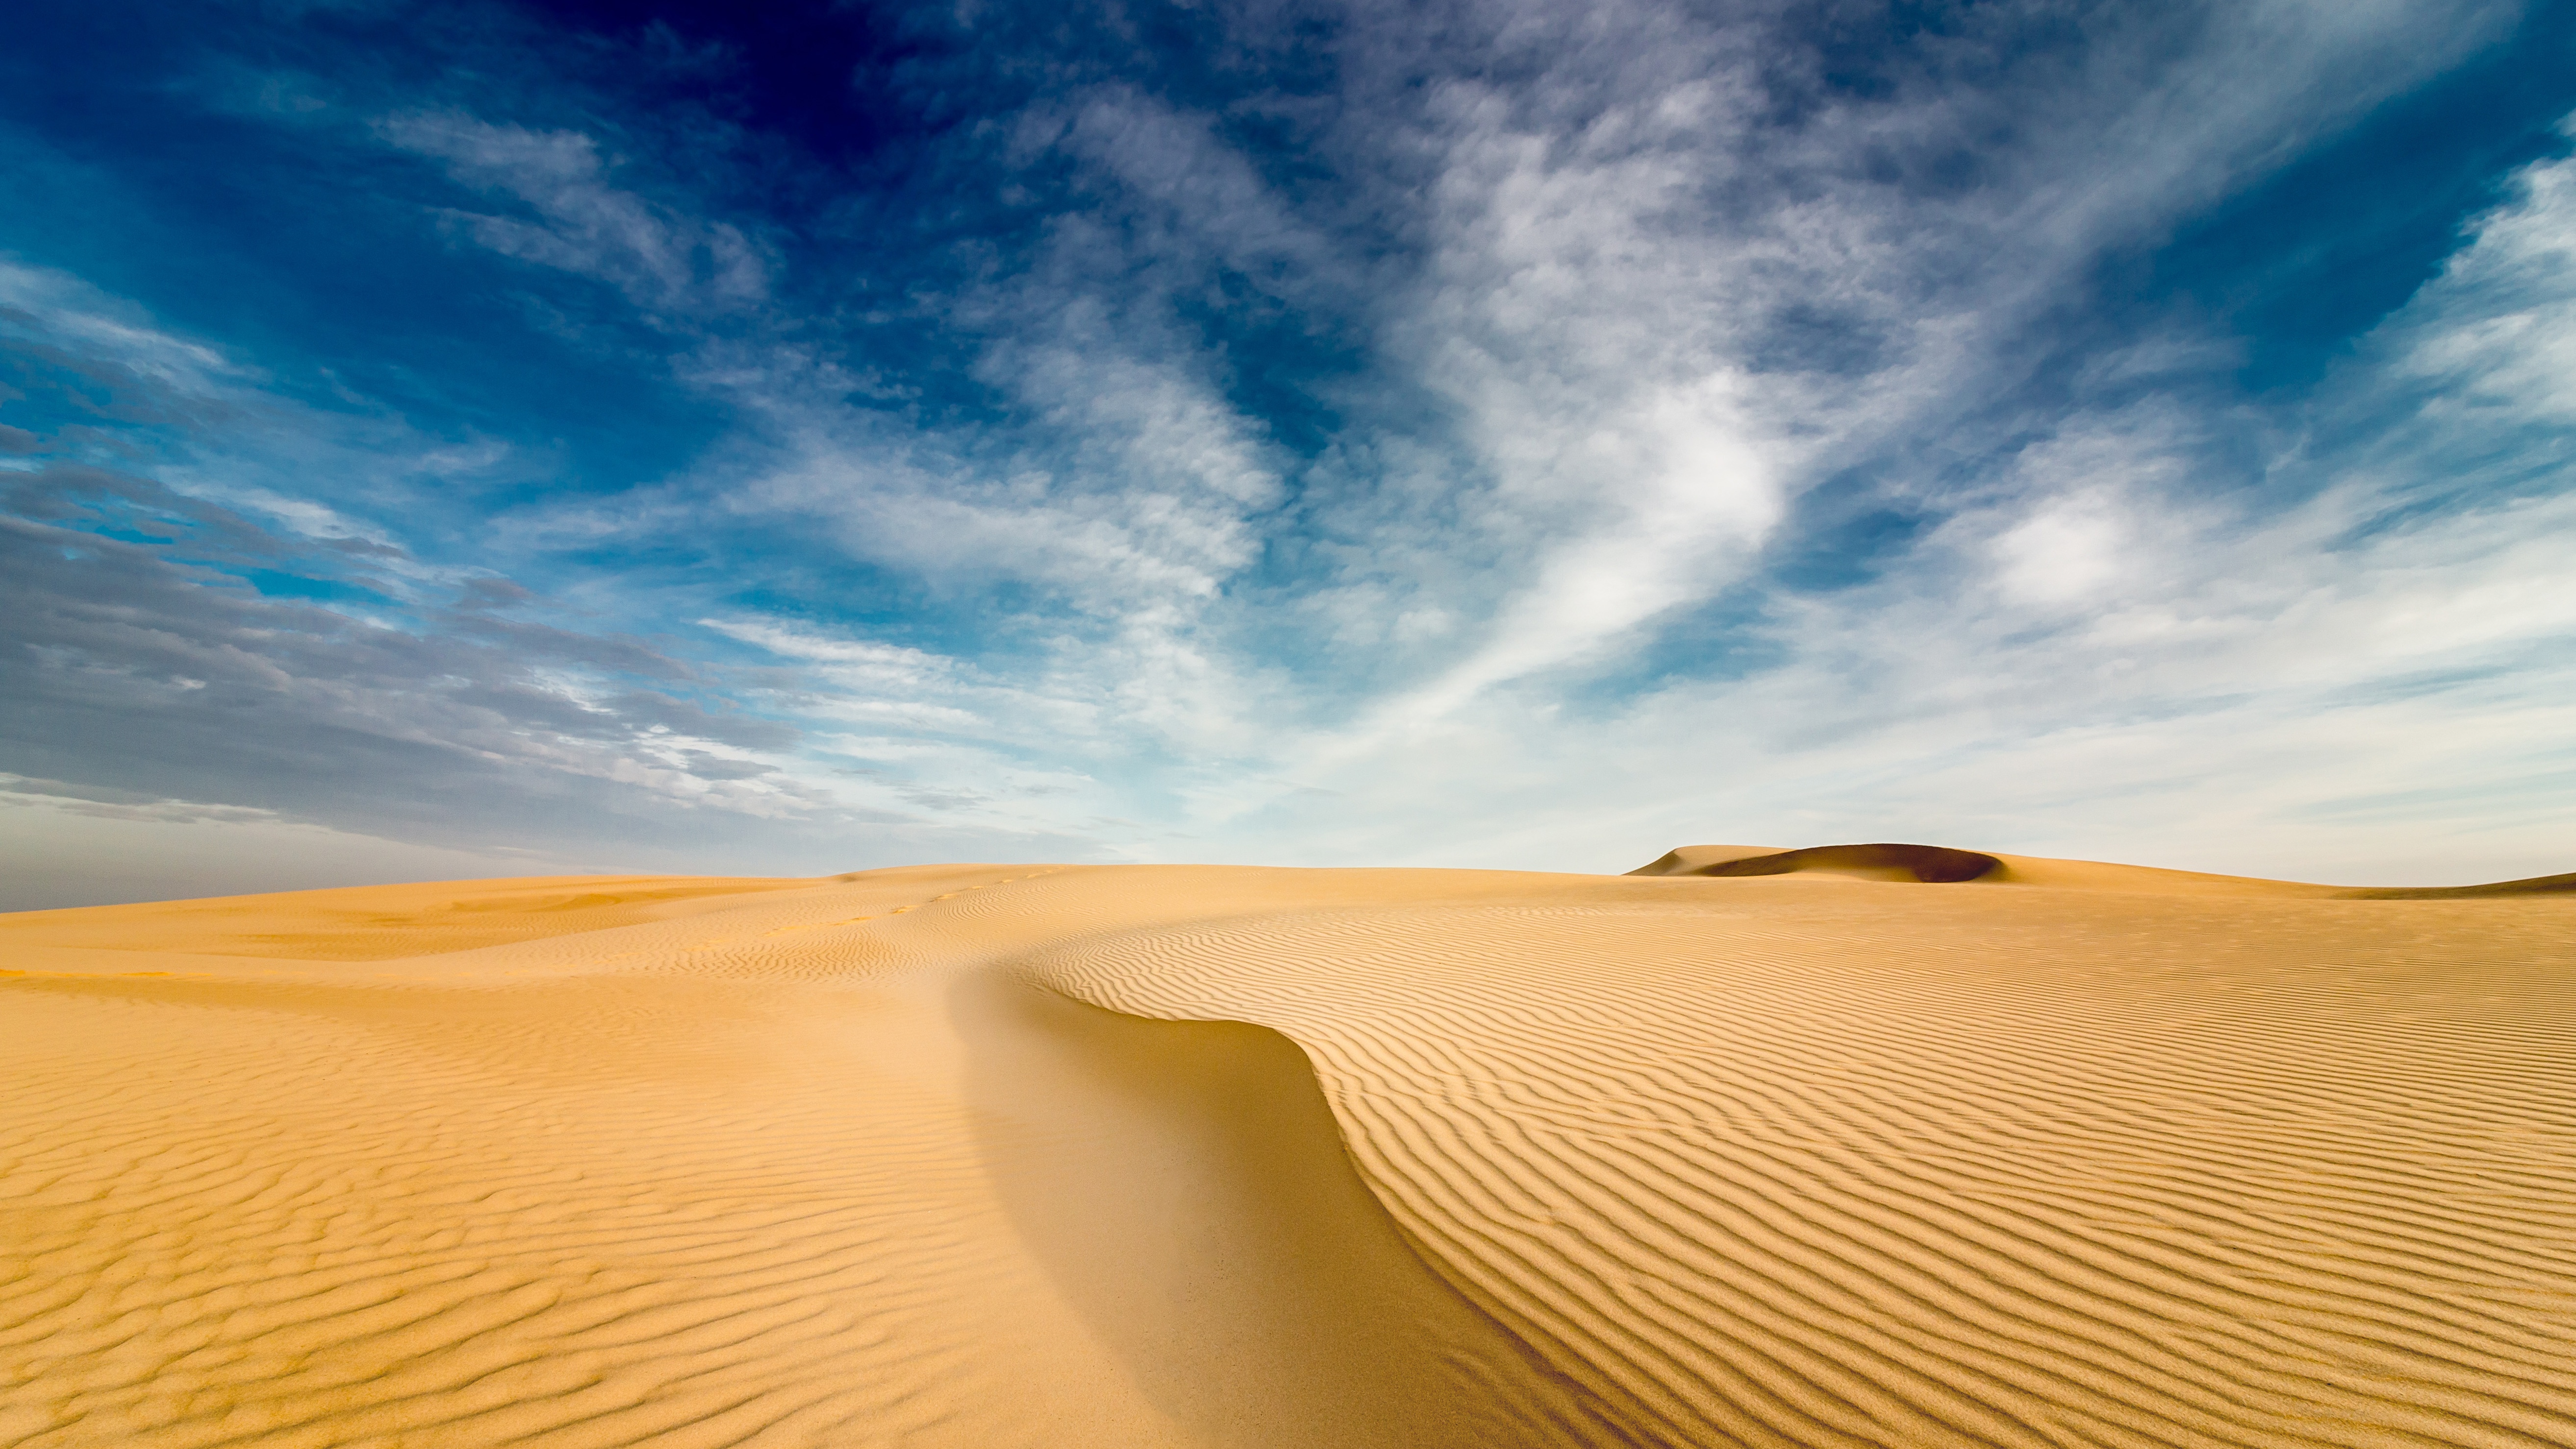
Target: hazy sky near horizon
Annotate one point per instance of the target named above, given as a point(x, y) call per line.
point(479, 438)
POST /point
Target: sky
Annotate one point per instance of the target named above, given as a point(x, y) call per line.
point(475, 438)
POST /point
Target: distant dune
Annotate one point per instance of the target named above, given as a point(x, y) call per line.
point(1924, 864)
point(2538, 885)
point(1755, 1145)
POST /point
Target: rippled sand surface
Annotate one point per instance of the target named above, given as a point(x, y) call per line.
point(1027, 1155)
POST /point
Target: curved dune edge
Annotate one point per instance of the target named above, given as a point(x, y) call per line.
point(1939, 1168)
point(1691, 859)
point(1225, 1244)
point(690, 1162)
point(2142, 1157)
point(1939, 864)
point(1923, 864)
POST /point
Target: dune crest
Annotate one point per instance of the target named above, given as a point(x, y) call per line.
point(2538, 885)
point(1948, 864)
point(1926, 864)
point(1003, 1155)
point(1692, 859)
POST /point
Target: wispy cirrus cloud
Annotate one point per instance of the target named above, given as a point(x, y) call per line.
point(1495, 432)
point(2110, 638)
point(577, 221)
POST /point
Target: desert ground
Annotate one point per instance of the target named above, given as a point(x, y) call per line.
point(1845, 1147)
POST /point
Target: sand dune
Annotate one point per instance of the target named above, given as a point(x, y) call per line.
point(1696, 859)
point(995, 1155)
point(2538, 885)
point(1923, 864)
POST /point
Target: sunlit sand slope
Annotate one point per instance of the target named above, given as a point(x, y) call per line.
point(2064, 1154)
point(1822, 1161)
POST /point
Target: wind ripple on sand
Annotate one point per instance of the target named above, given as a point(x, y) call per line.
point(280, 1227)
point(2078, 1157)
point(792, 1169)
point(1881, 1165)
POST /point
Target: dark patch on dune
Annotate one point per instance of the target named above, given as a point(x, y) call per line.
point(1932, 864)
point(2538, 885)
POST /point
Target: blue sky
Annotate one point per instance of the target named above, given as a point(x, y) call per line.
point(472, 438)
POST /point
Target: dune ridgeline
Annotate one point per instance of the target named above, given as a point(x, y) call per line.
point(1848, 1145)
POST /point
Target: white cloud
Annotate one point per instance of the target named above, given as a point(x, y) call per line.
point(1654, 314)
point(2065, 553)
point(1617, 288)
point(2085, 518)
point(1199, 198)
point(662, 259)
point(2107, 649)
point(1639, 285)
point(893, 664)
point(117, 804)
point(2496, 331)
point(53, 307)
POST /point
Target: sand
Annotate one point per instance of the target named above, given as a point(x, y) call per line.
point(1030, 1155)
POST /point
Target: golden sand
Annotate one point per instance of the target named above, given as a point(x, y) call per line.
point(1127, 1156)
